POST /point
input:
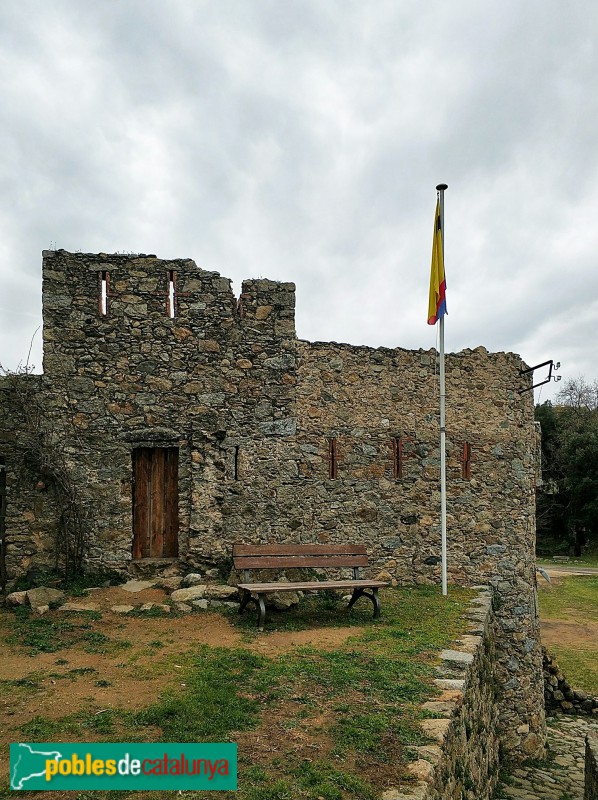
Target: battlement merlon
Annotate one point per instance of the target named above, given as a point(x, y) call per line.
point(115, 296)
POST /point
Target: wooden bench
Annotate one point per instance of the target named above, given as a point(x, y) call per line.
point(247, 557)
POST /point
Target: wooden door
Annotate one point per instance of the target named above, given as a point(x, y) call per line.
point(155, 502)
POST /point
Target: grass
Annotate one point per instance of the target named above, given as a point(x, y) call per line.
point(45, 635)
point(574, 599)
point(329, 721)
point(586, 560)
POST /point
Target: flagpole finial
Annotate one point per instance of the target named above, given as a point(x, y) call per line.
point(441, 187)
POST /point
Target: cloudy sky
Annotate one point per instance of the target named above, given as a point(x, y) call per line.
point(302, 140)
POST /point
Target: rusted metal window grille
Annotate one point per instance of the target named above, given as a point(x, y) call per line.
point(104, 292)
point(171, 298)
point(237, 463)
point(397, 458)
point(332, 458)
point(466, 462)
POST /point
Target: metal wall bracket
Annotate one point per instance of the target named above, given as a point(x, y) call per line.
point(551, 366)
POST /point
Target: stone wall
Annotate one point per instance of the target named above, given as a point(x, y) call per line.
point(258, 417)
point(591, 773)
point(463, 763)
point(559, 695)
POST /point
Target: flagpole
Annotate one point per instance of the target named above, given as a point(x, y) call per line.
point(440, 189)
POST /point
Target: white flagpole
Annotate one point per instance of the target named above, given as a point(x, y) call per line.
point(440, 189)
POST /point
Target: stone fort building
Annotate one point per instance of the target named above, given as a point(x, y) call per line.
point(181, 419)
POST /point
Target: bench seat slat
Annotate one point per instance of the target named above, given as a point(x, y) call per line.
point(284, 586)
point(298, 549)
point(280, 562)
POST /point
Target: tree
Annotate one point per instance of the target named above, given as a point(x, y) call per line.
point(577, 393)
point(567, 502)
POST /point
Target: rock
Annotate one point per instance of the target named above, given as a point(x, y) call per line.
point(192, 579)
point(137, 586)
point(282, 600)
point(212, 573)
point(185, 608)
point(219, 592)
point(147, 606)
point(456, 656)
point(203, 604)
point(16, 598)
point(122, 609)
point(531, 744)
point(169, 584)
point(523, 730)
point(43, 596)
point(40, 609)
point(80, 607)
point(430, 752)
point(385, 575)
point(421, 769)
point(436, 728)
point(191, 593)
point(223, 604)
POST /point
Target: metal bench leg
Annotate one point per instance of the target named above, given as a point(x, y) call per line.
point(261, 619)
point(355, 597)
point(357, 593)
point(376, 601)
point(244, 600)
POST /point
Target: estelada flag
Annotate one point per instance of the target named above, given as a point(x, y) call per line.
point(437, 302)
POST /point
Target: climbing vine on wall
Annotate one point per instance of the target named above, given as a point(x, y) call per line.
point(45, 453)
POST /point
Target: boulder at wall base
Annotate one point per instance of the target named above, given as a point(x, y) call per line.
point(218, 591)
point(192, 579)
point(43, 596)
point(282, 600)
point(16, 599)
point(189, 594)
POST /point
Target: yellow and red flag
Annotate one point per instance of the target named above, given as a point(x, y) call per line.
point(437, 301)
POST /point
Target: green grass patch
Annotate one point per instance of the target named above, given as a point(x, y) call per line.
point(586, 560)
point(574, 597)
point(579, 665)
point(50, 634)
point(211, 705)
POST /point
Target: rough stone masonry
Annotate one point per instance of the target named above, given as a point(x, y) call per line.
point(188, 419)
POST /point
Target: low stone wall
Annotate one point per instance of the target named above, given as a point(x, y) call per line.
point(591, 786)
point(558, 694)
point(462, 764)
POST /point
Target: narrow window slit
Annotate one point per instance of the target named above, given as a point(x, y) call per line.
point(332, 459)
point(237, 463)
point(171, 299)
point(104, 291)
point(397, 458)
point(466, 462)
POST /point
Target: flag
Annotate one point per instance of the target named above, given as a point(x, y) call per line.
point(437, 302)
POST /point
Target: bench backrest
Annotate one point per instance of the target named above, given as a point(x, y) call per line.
point(279, 556)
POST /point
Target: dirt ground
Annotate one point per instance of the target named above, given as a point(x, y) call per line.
point(131, 677)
